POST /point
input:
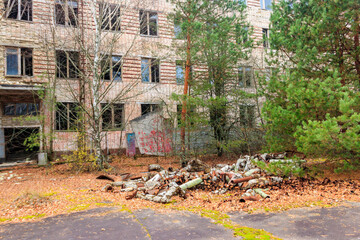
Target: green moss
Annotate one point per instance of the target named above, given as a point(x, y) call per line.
point(5, 219)
point(80, 207)
point(33, 216)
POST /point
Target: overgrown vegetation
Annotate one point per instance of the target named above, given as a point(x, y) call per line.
point(312, 98)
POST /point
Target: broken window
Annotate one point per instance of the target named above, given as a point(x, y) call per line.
point(112, 117)
point(180, 72)
point(110, 16)
point(67, 64)
point(66, 116)
point(21, 109)
point(147, 108)
point(247, 115)
point(265, 33)
point(148, 23)
point(18, 9)
point(111, 68)
point(245, 76)
point(19, 62)
point(265, 4)
point(66, 12)
point(150, 70)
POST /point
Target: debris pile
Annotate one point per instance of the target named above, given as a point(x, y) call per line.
point(160, 185)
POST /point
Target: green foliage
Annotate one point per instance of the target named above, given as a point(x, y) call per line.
point(312, 98)
point(345, 166)
point(219, 35)
point(283, 169)
point(32, 141)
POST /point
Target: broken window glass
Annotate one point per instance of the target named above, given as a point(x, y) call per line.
point(9, 109)
point(18, 9)
point(67, 64)
point(19, 62)
point(66, 13)
point(21, 109)
point(147, 108)
point(265, 33)
point(112, 117)
point(66, 116)
point(148, 23)
point(33, 109)
point(110, 15)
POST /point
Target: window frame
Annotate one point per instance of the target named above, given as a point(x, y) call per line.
point(109, 18)
point(68, 63)
point(68, 122)
point(266, 35)
point(21, 68)
point(180, 63)
point(150, 76)
point(153, 107)
point(111, 107)
point(265, 7)
point(243, 70)
point(65, 8)
point(108, 61)
point(19, 16)
point(141, 14)
point(244, 119)
point(36, 113)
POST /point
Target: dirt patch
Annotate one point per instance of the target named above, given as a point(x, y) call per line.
point(48, 191)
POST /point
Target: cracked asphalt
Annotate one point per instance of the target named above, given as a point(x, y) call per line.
point(338, 223)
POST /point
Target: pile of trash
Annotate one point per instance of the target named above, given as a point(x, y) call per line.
point(160, 185)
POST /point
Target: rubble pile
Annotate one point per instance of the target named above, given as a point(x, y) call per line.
point(160, 185)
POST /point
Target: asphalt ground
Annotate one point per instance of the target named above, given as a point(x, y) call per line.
point(338, 223)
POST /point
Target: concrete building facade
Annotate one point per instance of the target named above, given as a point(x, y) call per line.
point(36, 34)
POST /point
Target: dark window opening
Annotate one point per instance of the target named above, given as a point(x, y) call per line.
point(147, 108)
point(21, 109)
point(66, 116)
point(148, 23)
point(67, 64)
point(245, 76)
point(19, 61)
point(265, 33)
point(111, 68)
point(247, 115)
point(18, 9)
point(110, 16)
point(112, 116)
point(150, 70)
point(66, 13)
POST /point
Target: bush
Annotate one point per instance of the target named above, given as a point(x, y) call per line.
point(283, 169)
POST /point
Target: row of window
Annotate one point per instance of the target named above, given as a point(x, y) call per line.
point(66, 115)
point(66, 13)
point(113, 116)
point(19, 62)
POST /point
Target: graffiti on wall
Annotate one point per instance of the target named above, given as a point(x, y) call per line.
point(153, 134)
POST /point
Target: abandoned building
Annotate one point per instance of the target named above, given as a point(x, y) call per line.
point(37, 46)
